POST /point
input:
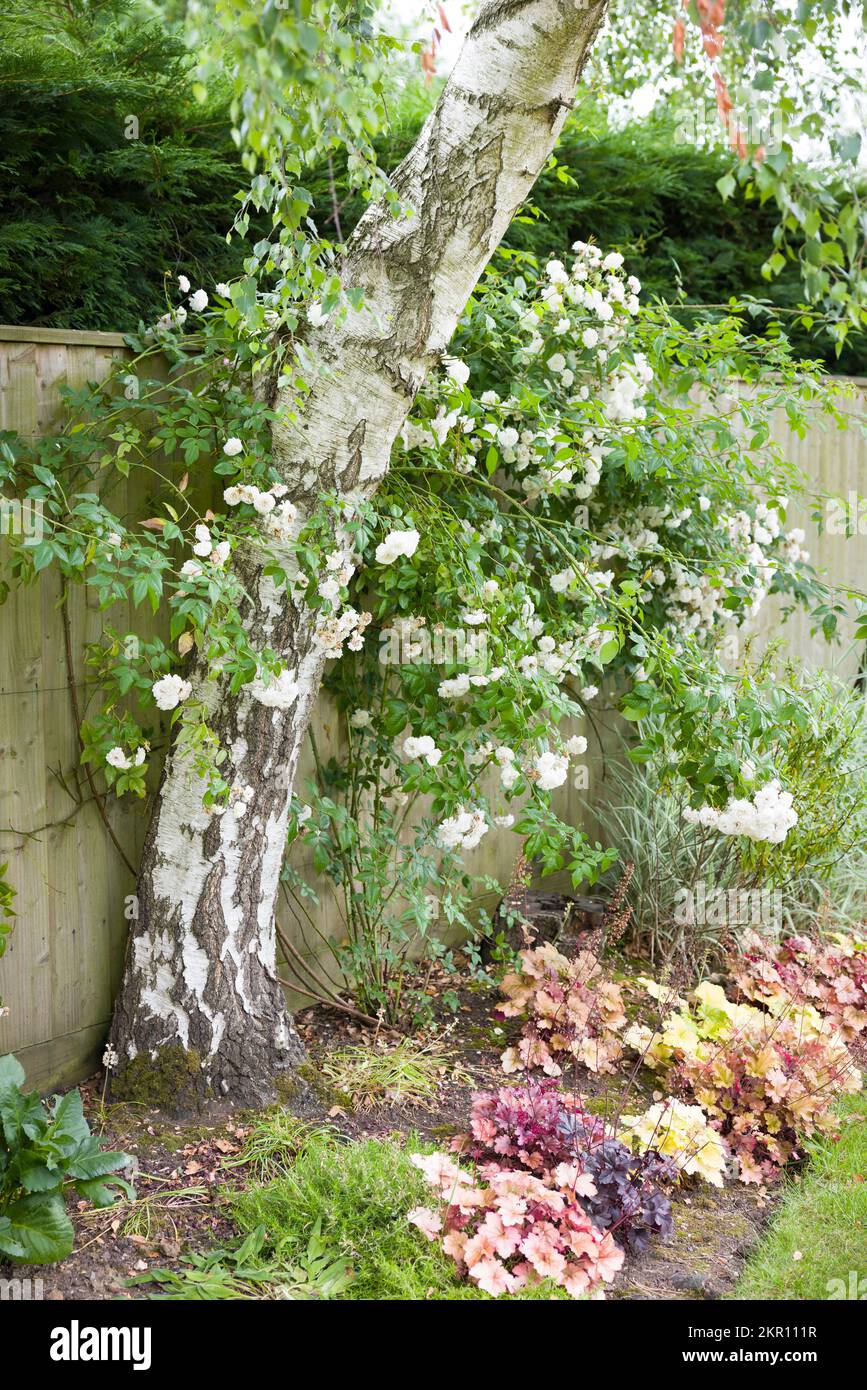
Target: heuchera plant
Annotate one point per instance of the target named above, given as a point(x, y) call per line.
point(830, 974)
point(509, 1228)
point(540, 1128)
point(766, 1079)
point(681, 1133)
point(573, 1010)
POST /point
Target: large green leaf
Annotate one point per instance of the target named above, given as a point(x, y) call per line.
point(93, 1162)
point(69, 1121)
point(11, 1072)
point(40, 1227)
point(36, 1176)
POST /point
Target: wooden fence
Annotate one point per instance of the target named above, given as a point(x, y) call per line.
point(61, 969)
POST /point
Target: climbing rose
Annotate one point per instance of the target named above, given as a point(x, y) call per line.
point(171, 691)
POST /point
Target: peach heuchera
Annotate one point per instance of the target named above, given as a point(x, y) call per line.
point(766, 1093)
point(571, 1010)
point(832, 975)
point(517, 1228)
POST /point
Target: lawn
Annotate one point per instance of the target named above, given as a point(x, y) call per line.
point(819, 1234)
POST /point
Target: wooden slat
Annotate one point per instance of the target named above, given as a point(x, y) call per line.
point(66, 337)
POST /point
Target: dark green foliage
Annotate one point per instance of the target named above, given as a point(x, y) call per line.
point(47, 1153)
point(657, 201)
point(92, 220)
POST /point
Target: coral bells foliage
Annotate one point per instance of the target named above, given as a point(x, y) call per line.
point(831, 975)
point(541, 1129)
point(769, 1090)
point(765, 1080)
point(681, 1133)
point(507, 1227)
point(572, 1011)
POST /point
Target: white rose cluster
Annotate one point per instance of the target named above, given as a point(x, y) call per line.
point(348, 626)
point(464, 830)
point(574, 327)
point(550, 770)
point(207, 549)
point(279, 517)
point(769, 816)
point(423, 748)
point(547, 769)
point(170, 691)
point(176, 318)
point(396, 544)
point(117, 758)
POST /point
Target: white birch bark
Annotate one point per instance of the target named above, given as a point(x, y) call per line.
point(200, 970)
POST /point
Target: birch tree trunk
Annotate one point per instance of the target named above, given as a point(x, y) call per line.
point(199, 987)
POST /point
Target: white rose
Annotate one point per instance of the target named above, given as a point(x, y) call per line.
point(171, 691)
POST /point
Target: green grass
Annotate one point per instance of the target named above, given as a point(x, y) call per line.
point(407, 1074)
point(824, 1217)
point(275, 1139)
point(361, 1193)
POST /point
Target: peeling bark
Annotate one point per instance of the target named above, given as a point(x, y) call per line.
point(200, 970)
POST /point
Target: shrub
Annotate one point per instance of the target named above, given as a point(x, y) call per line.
point(573, 1010)
point(831, 974)
point(97, 211)
point(693, 887)
point(46, 1153)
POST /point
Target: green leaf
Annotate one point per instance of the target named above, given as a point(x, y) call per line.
point(68, 1118)
point(37, 1176)
point(12, 1073)
point(40, 1228)
point(100, 1194)
point(94, 1162)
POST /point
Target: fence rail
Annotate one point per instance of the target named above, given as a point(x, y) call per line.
point(62, 967)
